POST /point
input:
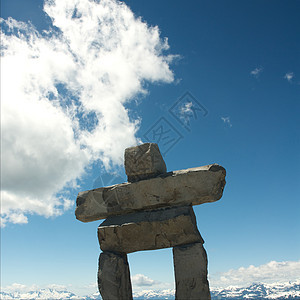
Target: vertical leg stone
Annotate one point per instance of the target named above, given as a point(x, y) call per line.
point(190, 264)
point(114, 276)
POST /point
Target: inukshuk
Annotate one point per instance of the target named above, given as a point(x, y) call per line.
point(153, 210)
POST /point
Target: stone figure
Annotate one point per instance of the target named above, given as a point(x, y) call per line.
point(153, 210)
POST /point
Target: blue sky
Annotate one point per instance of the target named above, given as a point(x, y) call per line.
point(237, 62)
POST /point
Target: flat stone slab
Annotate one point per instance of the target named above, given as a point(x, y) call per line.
point(185, 187)
point(143, 162)
point(114, 277)
point(149, 230)
point(190, 266)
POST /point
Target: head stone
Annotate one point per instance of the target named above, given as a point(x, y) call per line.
point(143, 162)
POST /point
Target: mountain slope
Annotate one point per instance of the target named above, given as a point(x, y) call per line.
point(278, 291)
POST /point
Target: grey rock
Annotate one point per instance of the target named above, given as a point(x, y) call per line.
point(143, 162)
point(149, 230)
point(190, 265)
point(185, 187)
point(114, 277)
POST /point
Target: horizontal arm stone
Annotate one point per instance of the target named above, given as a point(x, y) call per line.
point(186, 187)
point(149, 230)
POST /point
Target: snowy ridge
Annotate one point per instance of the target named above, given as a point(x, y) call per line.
point(39, 294)
point(163, 294)
point(275, 291)
point(278, 291)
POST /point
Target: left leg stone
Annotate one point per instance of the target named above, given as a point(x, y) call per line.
point(114, 276)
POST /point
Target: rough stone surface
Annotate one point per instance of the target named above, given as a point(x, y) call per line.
point(149, 230)
point(143, 162)
point(190, 265)
point(186, 187)
point(114, 277)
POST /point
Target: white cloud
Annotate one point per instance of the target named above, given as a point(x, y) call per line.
point(256, 72)
point(18, 287)
point(289, 76)
point(268, 273)
point(187, 108)
point(142, 280)
point(92, 285)
point(64, 94)
point(18, 218)
point(227, 121)
point(142, 283)
point(58, 287)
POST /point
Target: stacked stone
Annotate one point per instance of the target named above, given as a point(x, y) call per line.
point(152, 211)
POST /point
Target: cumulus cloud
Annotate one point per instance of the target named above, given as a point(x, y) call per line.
point(142, 280)
point(256, 72)
point(64, 94)
point(289, 76)
point(268, 273)
point(142, 284)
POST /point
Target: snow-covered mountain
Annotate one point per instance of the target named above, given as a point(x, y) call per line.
point(164, 294)
point(276, 291)
point(39, 294)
